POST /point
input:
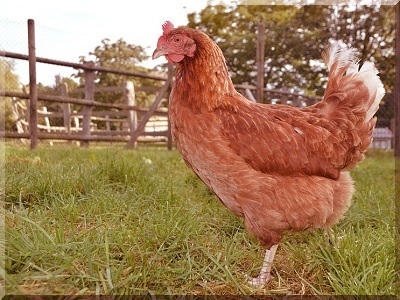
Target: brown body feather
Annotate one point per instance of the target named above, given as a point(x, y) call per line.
point(278, 167)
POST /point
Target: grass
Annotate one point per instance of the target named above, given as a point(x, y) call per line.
point(111, 221)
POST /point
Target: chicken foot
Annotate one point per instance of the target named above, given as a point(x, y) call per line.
point(264, 275)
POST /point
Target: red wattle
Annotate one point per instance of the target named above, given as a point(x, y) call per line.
point(175, 57)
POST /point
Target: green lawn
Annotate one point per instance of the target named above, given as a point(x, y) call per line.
point(106, 220)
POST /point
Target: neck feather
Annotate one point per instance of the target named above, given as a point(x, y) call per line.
point(202, 81)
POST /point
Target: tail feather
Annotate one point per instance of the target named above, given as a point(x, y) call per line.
point(351, 98)
point(344, 72)
point(375, 87)
point(340, 58)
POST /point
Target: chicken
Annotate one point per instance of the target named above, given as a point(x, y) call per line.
point(279, 167)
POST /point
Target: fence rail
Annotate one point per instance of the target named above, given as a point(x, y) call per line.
point(61, 99)
point(85, 67)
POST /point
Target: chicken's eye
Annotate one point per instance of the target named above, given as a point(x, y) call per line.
point(177, 39)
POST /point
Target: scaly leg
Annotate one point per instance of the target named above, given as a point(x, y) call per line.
point(264, 275)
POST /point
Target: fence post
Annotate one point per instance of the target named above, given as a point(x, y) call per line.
point(46, 118)
point(141, 125)
point(87, 109)
point(284, 96)
point(170, 79)
point(129, 99)
point(33, 117)
point(66, 109)
point(250, 95)
point(260, 61)
point(397, 85)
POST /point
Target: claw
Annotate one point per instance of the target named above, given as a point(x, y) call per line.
point(258, 281)
point(265, 275)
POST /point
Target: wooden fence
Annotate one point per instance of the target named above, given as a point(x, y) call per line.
point(118, 124)
point(127, 112)
point(133, 119)
point(136, 118)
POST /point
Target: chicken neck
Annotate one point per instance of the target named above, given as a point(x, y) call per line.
point(203, 80)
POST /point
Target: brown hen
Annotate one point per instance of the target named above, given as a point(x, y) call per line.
point(279, 167)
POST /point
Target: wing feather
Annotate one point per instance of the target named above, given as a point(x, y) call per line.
point(285, 140)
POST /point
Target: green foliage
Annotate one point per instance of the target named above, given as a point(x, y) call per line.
point(8, 81)
point(121, 56)
point(295, 38)
point(113, 221)
point(7, 120)
point(371, 30)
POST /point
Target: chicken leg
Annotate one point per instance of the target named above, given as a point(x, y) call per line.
point(264, 275)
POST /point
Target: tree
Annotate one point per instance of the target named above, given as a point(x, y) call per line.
point(123, 56)
point(295, 38)
point(371, 30)
point(290, 43)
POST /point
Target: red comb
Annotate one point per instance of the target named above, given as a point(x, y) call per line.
point(167, 27)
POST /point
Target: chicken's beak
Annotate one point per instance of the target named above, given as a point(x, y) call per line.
point(159, 52)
